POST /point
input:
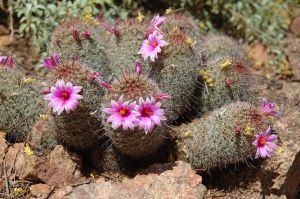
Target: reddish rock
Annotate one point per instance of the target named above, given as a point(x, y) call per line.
point(61, 193)
point(295, 26)
point(292, 45)
point(60, 169)
point(258, 53)
point(3, 149)
point(39, 190)
point(168, 181)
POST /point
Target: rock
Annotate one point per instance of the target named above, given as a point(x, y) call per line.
point(295, 26)
point(39, 190)
point(61, 193)
point(3, 149)
point(292, 46)
point(171, 180)
point(276, 177)
point(66, 164)
point(61, 168)
point(258, 53)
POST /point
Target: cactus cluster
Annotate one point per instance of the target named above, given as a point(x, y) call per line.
point(130, 81)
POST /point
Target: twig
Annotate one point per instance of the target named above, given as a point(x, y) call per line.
point(5, 176)
point(81, 183)
point(109, 177)
point(11, 19)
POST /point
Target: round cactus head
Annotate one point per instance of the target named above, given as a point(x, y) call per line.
point(224, 136)
point(132, 115)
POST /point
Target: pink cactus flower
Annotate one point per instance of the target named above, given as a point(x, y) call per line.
point(75, 35)
point(150, 114)
point(87, 34)
point(122, 113)
point(268, 107)
point(138, 67)
point(162, 96)
point(156, 22)
point(152, 46)
point(94, 75)
point(64, 97)
point(7, 61)
point(265, 143)
point(52, 61)
point(105, 84)
point(228, 82)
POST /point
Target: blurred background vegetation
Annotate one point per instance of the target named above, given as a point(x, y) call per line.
point(250, 21)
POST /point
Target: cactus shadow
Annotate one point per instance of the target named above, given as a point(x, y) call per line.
point(235, 177)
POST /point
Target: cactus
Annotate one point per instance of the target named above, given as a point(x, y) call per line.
point(175, 73)
point(76, 38)
point(122, 51)
point(20, 105)
point(42, 137)
point(135, 142)
point(80, 129)
point(221, 137)
point(226, 77)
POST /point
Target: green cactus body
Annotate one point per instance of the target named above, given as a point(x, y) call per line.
point(134, 143)
point(122, 52)
point(42, 138)
point(175, 73)
point(80, 129)
point(89, 51)
point(226, 77)
point(221, 137)
point(20, 105)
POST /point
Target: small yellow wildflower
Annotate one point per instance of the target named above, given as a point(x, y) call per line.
point(175, 28)
point(28, 151)
point(210, 82)
point(88, 17)
point(168, 11)
point(94, 174)
point(140, 18)
point(206, 76)
point(187, 134)
point(18, 191)
point(191, 42)
point(29, 80)
point(225, 64)
point(280, 150)
point(248, 130)
point(202, 26)
point(44, 117)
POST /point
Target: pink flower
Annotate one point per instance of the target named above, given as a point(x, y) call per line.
point(264, 143)
point(268, 108)
point(75, 35)
point(52, 61)
point(162, 96)
point(63, 97)
point(105, 84)
point(150, 114)
point(156, 22)
point(152, 46)
point(138, 67)
point(7, 61)
point(228, 82)
point(94, 75)
point(122, 113)
point(87, 34)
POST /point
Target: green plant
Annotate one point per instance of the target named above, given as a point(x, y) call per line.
point(132, 142)
point(80, 129)
point(221, 137)
point(226, 75)
point(20, 105)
